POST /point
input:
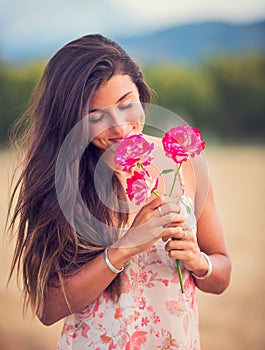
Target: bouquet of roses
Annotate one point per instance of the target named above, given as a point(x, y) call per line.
point(179, 143)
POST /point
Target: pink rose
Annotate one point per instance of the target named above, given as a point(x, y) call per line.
point(183, 142)
point(132, 150)
point(140, 186)
point(180, 143)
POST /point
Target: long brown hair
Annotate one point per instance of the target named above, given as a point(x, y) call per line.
point(47, 247)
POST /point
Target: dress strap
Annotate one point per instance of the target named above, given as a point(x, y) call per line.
point(182, 183)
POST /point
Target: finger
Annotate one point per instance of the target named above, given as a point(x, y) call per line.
point(167, 199)
point(176, 245)
point(162, 200)
point(177, 223)
point(175, 219)
point(166, 220)
point(170, 232)
point(155, 203)
point(178, 254)
point(181, 235)
point(165, 209)
point(170, 207)
point(177, 233)
point(168, 246)
point(188, 245)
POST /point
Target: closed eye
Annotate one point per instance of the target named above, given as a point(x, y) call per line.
point(95, 120)
point(125, 106)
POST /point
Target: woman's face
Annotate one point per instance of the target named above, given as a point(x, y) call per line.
point(115, 112)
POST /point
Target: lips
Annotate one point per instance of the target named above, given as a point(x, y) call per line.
point(120, 138)
point(116, 140)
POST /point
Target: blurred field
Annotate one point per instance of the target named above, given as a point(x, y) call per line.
point(231, 321)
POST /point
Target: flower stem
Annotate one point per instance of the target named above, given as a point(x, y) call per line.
point(175, 179)
point(180, 276)
point(155, 192)
point(177, 261)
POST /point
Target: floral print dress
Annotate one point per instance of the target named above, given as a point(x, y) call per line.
point(151, 313)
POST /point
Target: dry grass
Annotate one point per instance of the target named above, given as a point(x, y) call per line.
point(232, 321)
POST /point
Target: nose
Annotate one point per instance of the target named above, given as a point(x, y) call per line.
point(120, 129)
point(118, 122)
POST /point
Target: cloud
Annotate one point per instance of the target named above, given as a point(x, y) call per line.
point(55, 22)
point(28, 19)
point(175, 11)
point(59, 18)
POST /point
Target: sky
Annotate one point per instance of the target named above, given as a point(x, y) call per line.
point(58, 21)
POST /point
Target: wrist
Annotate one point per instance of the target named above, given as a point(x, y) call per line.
point(206, 271)
point(115, 259)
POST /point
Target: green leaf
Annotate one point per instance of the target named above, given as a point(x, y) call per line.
point(188, 209)
point(166, 171)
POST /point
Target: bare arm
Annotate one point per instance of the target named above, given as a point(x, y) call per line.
point(88, 283)
point(210, 240)
point(82, 288)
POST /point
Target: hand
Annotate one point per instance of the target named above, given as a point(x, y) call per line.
point(150, 224)
point(185, 247)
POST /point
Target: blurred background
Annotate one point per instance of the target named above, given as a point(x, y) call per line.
point(205, 61)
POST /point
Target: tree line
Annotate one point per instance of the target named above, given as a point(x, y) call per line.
point(223, 96)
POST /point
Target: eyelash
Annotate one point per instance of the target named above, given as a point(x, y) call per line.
point(94, 121)
point(129, 105)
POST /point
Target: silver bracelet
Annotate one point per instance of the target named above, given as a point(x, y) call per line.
point(210, 268)
point(110, 266)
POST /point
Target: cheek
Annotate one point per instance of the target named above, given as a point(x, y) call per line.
point(99, 140)
point(137, 114)
point(97, 130)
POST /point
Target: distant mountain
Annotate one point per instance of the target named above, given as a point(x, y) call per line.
point(184, 43)
point(189, 43)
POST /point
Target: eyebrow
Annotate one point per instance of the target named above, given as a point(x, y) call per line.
point(119, 100)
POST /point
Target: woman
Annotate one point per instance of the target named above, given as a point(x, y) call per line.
point(126, 296)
